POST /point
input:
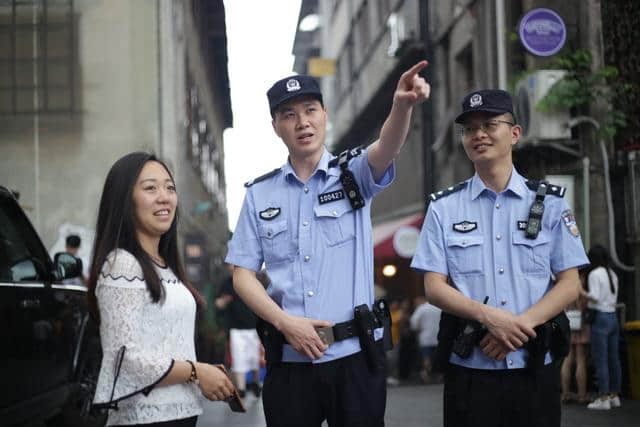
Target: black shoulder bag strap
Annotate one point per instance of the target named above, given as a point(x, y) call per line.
point(349, 183)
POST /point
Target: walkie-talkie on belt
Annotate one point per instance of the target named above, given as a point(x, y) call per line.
point(534, 222)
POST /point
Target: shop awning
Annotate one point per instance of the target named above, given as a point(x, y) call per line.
point(384, 233)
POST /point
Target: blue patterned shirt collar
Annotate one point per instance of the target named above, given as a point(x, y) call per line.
point(516, 186)
point(323, 166)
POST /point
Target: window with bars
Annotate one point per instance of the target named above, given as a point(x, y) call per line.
point(37, 56)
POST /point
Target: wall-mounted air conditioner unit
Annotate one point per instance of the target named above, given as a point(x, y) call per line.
point(536, 125)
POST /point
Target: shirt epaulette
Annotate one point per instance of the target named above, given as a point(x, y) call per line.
point(354, 152)
point(443, 193)
point(554, 190)
point(262, 177)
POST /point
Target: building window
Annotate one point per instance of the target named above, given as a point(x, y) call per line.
point(202, 147)
point(37, 56)
point(384, 9)
point(464, 67)
point(344, 70)
point(363, 34)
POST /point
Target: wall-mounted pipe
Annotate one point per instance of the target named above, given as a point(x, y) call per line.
point(607, 191)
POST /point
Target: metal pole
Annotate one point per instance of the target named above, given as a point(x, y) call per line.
point(36, 118)
point(500, 42)
point(586, 200)
point(426, 108)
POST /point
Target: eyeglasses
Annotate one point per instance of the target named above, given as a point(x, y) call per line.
point(489, 126)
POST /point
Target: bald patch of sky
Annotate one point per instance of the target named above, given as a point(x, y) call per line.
point(260, 38)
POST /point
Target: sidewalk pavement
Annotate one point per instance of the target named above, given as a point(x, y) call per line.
point(421, 405)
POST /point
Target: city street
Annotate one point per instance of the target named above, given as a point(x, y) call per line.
point(419, 405)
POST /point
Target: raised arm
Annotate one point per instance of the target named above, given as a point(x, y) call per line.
point(411, 90)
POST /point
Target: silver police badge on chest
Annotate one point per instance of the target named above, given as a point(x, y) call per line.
point(465, 226)
point(269, 213)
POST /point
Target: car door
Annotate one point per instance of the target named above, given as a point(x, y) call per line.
point(30, 327)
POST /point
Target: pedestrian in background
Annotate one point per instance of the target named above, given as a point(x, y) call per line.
point(425, 320)
point(244, 343)
point(580, 339)
point(408, 352)
point(605, 330)
point(309, 221)
point(145, 305)
point(392, 355)
point(489, 247)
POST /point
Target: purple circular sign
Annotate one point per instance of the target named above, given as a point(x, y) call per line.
point(542, 32)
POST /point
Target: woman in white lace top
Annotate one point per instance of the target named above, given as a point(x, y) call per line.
point(139, 292)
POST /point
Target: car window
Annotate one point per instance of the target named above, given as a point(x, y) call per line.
point(20, 256)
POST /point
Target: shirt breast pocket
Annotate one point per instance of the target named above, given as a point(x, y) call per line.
point(336, 221)
point(275, 241)
point(465, 254)
point(532, 254)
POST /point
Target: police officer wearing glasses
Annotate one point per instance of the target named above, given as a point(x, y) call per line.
point(500, 254)
point(309, 222)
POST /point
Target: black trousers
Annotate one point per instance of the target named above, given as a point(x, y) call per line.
point(185, 422)
point(343, 391)
point(501, 398)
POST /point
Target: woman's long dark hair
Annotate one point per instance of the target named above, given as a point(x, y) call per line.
point(599, 257)
point(116, 228)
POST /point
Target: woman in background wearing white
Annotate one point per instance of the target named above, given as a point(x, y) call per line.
point(605, 331)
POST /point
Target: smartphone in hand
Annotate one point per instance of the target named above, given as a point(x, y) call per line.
point(235, 401)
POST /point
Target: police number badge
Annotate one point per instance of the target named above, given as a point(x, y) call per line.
point(475, 101)
point(465, 226)
point(269, 213)
point(293, 85)
point(570, 222)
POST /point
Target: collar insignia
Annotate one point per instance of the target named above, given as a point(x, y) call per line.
point(269, 213)
point(465, 226)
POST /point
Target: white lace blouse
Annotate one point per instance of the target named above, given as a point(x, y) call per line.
point(149, 336)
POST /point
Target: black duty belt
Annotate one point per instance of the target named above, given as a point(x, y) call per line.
point(341, 331)
point(349, 329)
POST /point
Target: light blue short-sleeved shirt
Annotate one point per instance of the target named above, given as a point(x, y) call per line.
point(317, 250)
point(476, 237)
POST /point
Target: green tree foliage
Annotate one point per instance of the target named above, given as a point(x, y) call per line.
point(581, 87)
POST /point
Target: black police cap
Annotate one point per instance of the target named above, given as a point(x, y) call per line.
point(494, 101)
point(292, 87)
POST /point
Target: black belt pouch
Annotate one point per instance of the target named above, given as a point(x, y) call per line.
point(365, 324)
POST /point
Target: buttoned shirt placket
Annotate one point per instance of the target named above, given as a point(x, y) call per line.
point(306, 232)
point(496, 210)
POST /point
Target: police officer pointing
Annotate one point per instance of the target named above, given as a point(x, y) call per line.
point(501, 253)
point(309, 222)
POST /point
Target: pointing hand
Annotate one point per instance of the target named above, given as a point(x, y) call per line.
point(412, 89)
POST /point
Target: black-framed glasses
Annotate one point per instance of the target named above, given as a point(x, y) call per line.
point(489, 126)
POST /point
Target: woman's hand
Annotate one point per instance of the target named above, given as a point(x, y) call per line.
point(214, 383)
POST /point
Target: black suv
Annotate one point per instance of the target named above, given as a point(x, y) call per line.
point(50, 350)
